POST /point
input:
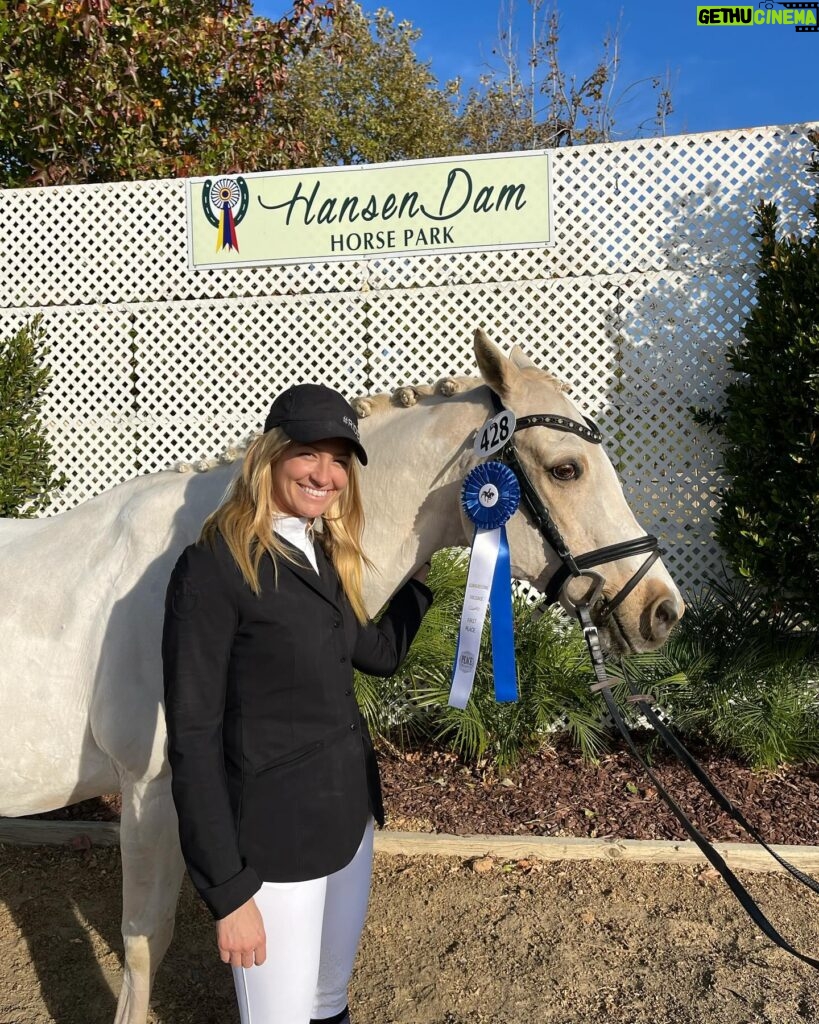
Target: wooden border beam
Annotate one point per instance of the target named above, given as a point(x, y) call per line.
point(746, 856)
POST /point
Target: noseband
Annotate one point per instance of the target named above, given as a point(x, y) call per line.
point(573, 567)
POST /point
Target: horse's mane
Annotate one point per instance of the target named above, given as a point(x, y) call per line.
point(411, 394)
point(375, 404)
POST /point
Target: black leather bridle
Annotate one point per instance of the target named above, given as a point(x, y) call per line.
point(573, 567)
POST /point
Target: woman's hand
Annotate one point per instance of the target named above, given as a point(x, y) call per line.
point(421, 572)
point(240, 936)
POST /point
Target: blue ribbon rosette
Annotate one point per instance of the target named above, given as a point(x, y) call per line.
point(490, 495)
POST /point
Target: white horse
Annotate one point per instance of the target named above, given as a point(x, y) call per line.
point(81, 604)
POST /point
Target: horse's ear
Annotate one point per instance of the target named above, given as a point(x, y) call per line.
point(520, 359)
point(497, 371)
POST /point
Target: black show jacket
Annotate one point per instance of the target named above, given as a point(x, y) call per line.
point(273, 768)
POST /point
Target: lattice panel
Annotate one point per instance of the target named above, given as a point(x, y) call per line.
point(426, 333)
point(90, 402)
point(650, 278)
point(240, 355)
point(125, 242)
point(680, 201)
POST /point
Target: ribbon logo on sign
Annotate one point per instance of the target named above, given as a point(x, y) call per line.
point(490, 495)
point(225, 203)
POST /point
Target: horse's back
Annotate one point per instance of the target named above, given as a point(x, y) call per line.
point(144, 516)
point(81, 598)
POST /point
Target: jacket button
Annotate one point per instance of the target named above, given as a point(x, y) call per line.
point(348, 693)
point(343, 658)
point(353, 727)
point(336, 623)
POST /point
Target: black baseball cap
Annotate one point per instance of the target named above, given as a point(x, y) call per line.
point(313, 412)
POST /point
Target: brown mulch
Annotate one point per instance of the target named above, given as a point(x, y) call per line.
point(556, 793)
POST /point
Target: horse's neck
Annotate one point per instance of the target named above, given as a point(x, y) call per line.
point(411, 487)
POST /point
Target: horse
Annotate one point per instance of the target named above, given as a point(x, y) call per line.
point(82, 596)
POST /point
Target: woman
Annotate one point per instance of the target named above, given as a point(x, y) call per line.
point(274, 777)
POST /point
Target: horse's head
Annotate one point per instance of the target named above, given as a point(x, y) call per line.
point(572, 476)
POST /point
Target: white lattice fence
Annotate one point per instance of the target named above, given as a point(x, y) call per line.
point(650, 277)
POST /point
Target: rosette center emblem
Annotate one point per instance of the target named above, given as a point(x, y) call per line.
point(490, 495)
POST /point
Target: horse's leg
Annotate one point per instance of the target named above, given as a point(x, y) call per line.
point(152, 871)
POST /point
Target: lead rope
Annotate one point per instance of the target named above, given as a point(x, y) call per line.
point(644, 702)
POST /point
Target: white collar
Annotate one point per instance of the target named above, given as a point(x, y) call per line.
point(293, 528)
point(298, 531)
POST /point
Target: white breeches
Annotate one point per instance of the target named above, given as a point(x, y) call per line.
point(312, 931)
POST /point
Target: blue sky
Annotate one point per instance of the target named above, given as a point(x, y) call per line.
point(721, 77)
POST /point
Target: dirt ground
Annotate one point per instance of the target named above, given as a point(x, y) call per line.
point(444, 944)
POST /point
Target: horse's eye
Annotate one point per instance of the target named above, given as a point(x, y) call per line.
point(565, 471)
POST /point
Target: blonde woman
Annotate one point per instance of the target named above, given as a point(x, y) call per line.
point(274, 777)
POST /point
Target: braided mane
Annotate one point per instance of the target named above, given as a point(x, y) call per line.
point(373, 405)
point(409, 395)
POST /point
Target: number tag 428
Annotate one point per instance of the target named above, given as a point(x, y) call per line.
point(494, 434)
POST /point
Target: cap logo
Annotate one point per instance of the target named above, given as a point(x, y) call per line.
point(348, 422)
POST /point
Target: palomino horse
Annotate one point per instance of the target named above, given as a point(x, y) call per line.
point(81, 604)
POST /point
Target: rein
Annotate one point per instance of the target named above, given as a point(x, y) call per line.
point(579, 567)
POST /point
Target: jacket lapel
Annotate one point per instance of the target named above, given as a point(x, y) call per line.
point(327, 573)
point(323, 582)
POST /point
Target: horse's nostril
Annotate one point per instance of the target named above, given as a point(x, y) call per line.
point(661, 613)
point(665, 616)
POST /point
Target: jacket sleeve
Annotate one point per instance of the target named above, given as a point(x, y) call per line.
point(200, 621)
point(382, 646)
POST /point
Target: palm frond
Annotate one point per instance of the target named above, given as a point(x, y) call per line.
point(735, 672)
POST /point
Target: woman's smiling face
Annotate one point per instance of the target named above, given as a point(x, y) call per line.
point(310, 477)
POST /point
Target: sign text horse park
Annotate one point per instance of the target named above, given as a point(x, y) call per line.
point(459, 204)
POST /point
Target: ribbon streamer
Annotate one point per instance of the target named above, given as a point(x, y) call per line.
point(226, 194)
point(489, 496)
point(227, 230)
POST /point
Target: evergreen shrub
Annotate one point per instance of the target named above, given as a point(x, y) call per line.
point(768, 520)
point(27, 476)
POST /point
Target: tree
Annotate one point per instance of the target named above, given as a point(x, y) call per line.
point(100, 90)
point(362, 95)
point(768, 520)
point(531, 103)
point(27, 476)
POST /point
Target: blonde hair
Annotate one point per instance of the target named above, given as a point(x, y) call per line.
point(245, 520)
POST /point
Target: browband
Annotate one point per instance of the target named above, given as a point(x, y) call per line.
point(588, 431)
